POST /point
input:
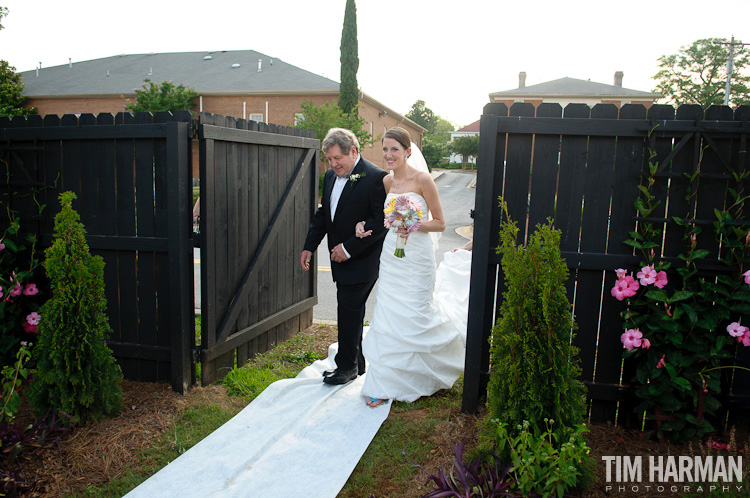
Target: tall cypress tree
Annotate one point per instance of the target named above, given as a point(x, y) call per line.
point(348, 93)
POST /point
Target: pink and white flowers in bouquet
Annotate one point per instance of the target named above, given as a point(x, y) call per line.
point(402, 212)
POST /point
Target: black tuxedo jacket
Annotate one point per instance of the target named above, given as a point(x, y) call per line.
point(361, 200)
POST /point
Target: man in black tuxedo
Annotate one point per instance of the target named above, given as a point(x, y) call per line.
point(352, 192)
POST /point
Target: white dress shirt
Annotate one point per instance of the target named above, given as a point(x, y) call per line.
point(338, 188)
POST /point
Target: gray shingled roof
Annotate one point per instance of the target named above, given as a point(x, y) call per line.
point(572, 86)
point(121, 74)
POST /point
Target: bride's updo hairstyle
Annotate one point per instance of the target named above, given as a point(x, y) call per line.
point(399, 135)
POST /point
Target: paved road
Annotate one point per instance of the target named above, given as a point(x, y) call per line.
point(457, 199)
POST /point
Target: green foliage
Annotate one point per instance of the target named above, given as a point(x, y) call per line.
point(422, 115)
point(534, 366)
point(11, 93)
point(543, 464)
point(165, 96)
point(322, 118)
point(76, 372)
point(442, 130)
point(685, 321)
point(466, 146)
point(20, 280)
point(348, 91)
point(3, 13)
point(697, 74)
point(12, 377)
point(434, 150)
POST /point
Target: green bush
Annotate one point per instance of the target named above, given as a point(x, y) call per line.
point(76, 372)
point(545, 465)
point(534, 366)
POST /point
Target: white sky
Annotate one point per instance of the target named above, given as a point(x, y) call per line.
point(449, 54)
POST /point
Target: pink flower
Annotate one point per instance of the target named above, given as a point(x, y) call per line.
point(661, 362)
point(736, 330)
point(661, 279)
point(647, 275)
point(621, 273)
point(719, 446)
point(30, 290)
point(645, 343)
point(1, 292)
point(745, 337)
point(631, 338)
point(2, 246)
point(33, 318)
point(747, 277)
point(17, 290)
point(30, 329)
point(625, 287)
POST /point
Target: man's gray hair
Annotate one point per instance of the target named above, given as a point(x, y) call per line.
point(342, 137)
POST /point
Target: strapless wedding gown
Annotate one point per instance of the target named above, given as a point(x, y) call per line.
point(416, 341)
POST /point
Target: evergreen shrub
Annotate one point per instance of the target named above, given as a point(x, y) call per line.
point(534, 365)
point(76, 371)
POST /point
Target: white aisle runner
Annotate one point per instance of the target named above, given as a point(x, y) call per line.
point(299, 437)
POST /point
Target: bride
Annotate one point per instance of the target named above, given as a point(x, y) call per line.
point(414, 346)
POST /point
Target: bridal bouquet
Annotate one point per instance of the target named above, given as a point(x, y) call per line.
point(402, 212)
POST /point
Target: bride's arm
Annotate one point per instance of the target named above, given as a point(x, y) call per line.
point(430, 194)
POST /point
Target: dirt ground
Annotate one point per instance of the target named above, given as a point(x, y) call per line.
point(99, 452)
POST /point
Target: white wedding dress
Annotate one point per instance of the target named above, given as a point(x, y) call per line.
point(416, 341)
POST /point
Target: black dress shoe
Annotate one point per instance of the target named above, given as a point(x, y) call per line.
point(341, 376)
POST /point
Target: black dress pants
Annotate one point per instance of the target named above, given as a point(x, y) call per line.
point(351, 316)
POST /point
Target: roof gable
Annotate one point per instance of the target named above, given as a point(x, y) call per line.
point(572, 86)
point(206, 72)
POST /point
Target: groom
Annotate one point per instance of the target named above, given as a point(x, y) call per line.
point(352, 192)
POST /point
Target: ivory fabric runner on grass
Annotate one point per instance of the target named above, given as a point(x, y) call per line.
point(299, 437)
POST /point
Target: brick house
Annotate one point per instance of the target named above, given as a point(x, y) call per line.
point(243, 84)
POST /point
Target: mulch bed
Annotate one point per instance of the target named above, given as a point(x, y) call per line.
point(97, 453)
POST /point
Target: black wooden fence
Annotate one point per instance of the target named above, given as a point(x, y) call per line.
point(258, 195)
point(582, 168)
point(132, 176)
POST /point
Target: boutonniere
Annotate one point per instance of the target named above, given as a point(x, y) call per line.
point(354, 178)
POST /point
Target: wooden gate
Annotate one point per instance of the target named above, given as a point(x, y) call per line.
point(258, 194)
point(583, 168)
point(131, 176)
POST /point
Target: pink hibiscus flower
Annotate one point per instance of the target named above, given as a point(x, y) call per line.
point(625, 287)
point(647, 275)
point(621, 273)
point(745, 338)
point(631, 338)
point(645, 343)
point(747, 277)
point(736, 330)
point(31, 290)
point(661, 362)
point(661, 279)
point(16, 291)
point(2, 246)
point(30, 329)
point(33, 318)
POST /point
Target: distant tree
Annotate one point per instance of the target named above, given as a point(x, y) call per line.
point(466, 147)
point(422, 115)
point(165, 96)
point(434, 150)
point(11, 93)
point(442, 129)
point(3, 13)
point(697, 74)
point(348, 92)
point(322, 118)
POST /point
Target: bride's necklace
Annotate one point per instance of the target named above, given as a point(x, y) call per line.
point(396, 186)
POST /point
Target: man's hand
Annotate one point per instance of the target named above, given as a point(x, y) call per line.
point(304, 259)
point(338, 255)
